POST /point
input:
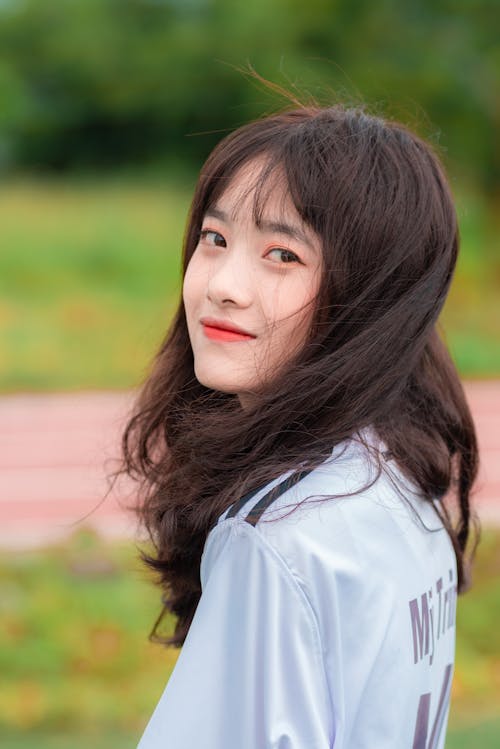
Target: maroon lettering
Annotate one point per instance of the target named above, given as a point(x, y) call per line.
point(420, 627)
point(422, 722)
point(439, 588)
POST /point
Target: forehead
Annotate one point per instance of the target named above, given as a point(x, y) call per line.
point(257, 190)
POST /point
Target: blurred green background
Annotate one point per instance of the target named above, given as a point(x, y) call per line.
point(109, 107)
point(107, 111)
point(78, 671)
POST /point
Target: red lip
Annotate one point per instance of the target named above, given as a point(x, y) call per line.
point(222, 331)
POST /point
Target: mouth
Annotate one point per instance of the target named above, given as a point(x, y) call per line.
point(221, 331)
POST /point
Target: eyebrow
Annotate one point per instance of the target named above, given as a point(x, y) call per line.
point(277, 227)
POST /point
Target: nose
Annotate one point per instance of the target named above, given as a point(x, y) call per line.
point(230, 280)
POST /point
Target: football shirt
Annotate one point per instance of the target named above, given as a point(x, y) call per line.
point(330, 627)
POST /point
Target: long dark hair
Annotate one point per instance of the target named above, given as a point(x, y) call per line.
point(377, 197)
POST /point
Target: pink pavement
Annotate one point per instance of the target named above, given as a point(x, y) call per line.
point(55, 454)
point(56, 451)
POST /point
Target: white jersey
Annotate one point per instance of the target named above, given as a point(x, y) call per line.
point(333, 627)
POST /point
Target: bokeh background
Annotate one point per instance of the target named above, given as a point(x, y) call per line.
point(107, 110)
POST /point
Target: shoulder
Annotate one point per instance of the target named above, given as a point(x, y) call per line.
point(358, 483)
point(353, 512)
point(348, 470)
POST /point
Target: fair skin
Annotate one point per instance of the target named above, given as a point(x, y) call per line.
point(260, 279)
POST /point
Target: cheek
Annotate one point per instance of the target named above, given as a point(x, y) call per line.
point(192, 287)
point(293, 306)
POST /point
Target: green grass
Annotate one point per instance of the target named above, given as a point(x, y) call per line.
point(74, 621)
point(101, 739)
point(78, 670)
point(476, 683)
point(478, 735)
point(90, 277)
point(482, 735)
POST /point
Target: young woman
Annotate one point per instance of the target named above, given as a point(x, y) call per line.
point(296, 438)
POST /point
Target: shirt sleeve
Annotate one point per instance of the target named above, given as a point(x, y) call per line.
point(250, 673)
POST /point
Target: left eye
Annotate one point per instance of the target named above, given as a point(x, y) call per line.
point(212, 237)
point(283, 256)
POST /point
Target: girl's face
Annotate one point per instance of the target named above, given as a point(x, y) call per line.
point(249, 290)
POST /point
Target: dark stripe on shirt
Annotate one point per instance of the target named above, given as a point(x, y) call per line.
point(236, 507)
point(256, 512)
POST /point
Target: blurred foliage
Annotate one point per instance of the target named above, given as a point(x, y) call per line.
point(88, 284)
point(89, 265)
point(96, 83)
point(78, 670)
point(90, 277)
point(74, 652)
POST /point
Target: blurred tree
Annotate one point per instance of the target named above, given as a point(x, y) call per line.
point(105, 82)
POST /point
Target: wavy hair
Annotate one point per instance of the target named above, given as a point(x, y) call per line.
point(377, 197)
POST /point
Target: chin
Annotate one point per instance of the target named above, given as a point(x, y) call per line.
point(214, 382)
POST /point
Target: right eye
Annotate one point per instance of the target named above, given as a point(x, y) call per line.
point(212, 237)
